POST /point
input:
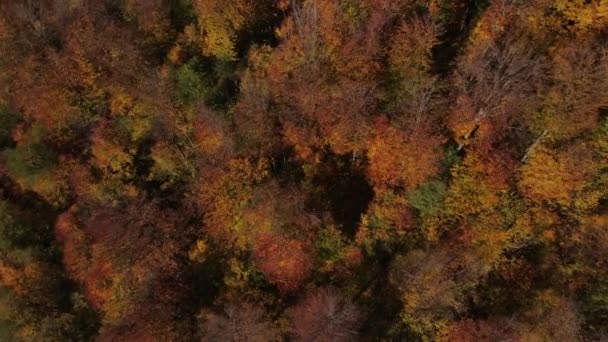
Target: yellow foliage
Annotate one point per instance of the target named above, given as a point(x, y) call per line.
point(89, 74)
point(225, 194)
point(198, 252)
point(169, 162)
point(574, 16)
point(493, 23)
point(430, 295)
point(139, 120)
point(53, 186)
point(552, 177)
point(219, 23)
point(175, 54)
point(238, 274)
point(388, 216)
point(112, 157)
point(461, 129)
point(120, 102)
point(469, 192)
point(489, 245)
point(580, 12)
point(27, 333)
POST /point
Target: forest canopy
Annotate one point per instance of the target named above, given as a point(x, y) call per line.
point(303, 170)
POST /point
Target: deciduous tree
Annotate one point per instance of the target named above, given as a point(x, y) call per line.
point(325, 315)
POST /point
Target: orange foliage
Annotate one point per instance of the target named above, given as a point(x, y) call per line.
point(211, 137)
point(12, 278)
point(74, 242)
point(400, 160)
point(285, 262)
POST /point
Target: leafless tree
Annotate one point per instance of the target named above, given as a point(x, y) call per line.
point(239, 322)
point(324, 315)
point(497, 74)
point(307, 22)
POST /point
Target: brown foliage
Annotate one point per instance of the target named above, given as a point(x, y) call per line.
point(482, 331)
point(127, 262)
point(323, 315)
point(410, 62)
point(429, 291)
point(241, 322)
point(577, 90)
point(325, 75)
point(498, 73)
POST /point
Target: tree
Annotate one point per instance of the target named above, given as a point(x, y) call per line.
point(595, 308)
point(414, 89)
point(35, 305)
point(188, 84)
point(324, 77)
point(478, 330)
point(219, 25)
point(428, 197)
point(224, 194)
point(430, 295)
point(571, 104)
point(8, 121)
point(127, 264)
point(401, 160)
point(551, 318)
point(238, 323)
point(497, 74)
point(555, 177)
point(388, 218)
point(28, 162)
point(254, 117)
point(324, 315)
point(223, 28)
point(36, 166)
point(469, 192)
point(152, 18)
point(285, 262)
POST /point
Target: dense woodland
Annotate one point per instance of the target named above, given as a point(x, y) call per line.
point(303, 170)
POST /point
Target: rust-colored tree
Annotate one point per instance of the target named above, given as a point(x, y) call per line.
point(285, 262)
